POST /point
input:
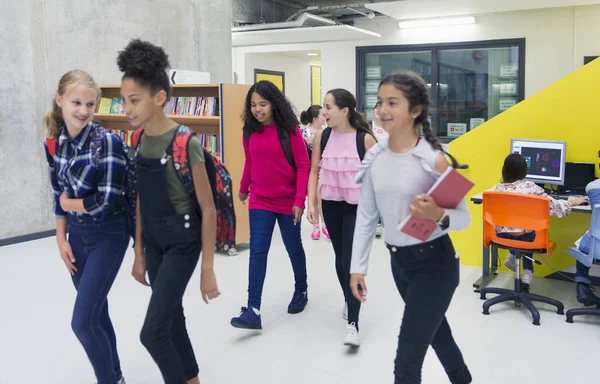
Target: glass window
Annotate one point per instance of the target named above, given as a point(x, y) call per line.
point(474, 81)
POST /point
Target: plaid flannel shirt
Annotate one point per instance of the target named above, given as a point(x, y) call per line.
point(96, 178)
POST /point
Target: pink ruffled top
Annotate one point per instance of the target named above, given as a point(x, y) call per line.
point(339, 167)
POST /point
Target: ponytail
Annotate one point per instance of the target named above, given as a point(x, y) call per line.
point(53, 121)
point(304, 118)
point(431, 138)
point(359, 123)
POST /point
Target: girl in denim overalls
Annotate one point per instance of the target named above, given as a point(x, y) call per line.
point(170, 234)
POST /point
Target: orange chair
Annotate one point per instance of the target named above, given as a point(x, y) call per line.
point(517, 211)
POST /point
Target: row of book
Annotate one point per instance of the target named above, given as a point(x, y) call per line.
point(177, 106)
point(193, 106)
point(209, 142)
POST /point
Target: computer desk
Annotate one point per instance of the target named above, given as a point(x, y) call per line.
point(489, 267)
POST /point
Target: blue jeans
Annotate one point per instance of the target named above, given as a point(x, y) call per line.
point(99, 249)
point(262, 224)
point(528, 237)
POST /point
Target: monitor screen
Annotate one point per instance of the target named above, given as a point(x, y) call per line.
point(578, 175)
point(545, 159)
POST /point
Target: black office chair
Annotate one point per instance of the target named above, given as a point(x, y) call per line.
point(593, 257)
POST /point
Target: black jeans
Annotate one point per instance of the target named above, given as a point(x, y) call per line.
point(426, 275)
point(172, 248)
point(340, 219)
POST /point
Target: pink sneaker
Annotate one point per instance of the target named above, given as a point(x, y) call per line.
point(316, 233)
point(326, 233)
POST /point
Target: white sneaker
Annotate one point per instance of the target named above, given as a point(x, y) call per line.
point(527, 277)
point(352, 338)
point(345, 312)
point(379, 230)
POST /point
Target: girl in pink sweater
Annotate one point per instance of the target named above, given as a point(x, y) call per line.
point(275, 181)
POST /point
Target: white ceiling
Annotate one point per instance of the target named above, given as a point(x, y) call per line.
point(301, 35)
point(414, 9)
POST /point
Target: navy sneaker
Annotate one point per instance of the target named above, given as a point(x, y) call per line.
point(298, 302)
point(586, 296)
point(249, 318)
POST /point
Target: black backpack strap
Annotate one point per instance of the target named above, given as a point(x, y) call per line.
point(286, 144)
point(360, 144)
point(247, 136)
point(324, 138)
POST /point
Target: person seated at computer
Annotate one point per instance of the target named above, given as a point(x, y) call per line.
point(514, 172)
point(584, 291)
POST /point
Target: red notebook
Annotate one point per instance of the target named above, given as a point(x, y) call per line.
point(448, 191)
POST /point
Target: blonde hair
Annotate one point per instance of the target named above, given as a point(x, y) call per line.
point(53, 120)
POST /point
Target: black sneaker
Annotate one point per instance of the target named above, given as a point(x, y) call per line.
point(298, 302)
point(586, 296)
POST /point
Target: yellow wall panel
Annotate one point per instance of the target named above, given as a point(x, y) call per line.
point(566, 110)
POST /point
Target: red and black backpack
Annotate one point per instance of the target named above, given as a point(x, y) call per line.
point(218, 176)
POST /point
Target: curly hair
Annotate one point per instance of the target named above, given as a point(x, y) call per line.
point(147, 64)
point(283, 113)
point(414, 89)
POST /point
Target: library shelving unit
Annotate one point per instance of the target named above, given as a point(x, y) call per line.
point(227, 126)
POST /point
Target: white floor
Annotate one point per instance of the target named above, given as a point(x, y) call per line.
point(37, 345)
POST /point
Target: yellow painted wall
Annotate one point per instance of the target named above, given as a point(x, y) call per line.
point(315, 79)
point(566, 110)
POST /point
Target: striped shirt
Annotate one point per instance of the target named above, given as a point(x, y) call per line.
point(90, 167)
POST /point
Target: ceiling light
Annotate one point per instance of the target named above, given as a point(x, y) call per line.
point(312, 54)
point(436, 22)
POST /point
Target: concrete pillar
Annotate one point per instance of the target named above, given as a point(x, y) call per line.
point(41, 40)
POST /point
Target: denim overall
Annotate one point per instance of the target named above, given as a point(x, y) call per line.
point(172, 245)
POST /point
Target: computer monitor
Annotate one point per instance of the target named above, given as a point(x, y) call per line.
point(545, 159)
point(578, 176)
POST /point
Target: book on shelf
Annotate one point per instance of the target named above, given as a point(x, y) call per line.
point(177, 106)
point(210, 142)
point(447, 192)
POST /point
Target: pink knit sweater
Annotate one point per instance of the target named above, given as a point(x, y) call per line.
point(274, 185)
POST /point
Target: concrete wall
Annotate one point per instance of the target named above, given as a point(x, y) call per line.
point(41, 40)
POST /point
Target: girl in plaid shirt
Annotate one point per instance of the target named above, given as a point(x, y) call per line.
point(87, 172)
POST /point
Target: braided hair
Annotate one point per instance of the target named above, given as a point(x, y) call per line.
point(414, 89)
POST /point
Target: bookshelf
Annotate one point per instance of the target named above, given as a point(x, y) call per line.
point(226, 127)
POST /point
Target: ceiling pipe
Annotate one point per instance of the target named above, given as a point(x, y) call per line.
point(290, 3)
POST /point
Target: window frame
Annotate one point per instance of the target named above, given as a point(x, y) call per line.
point(435, 48)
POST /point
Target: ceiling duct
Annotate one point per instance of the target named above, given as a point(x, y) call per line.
point(303, 21)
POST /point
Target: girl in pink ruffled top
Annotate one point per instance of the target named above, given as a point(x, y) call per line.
point(337, 154)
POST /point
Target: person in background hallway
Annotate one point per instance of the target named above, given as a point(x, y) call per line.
point(334, 166)
point(87, 172)
point(426, 273)
point(173, 226)
point(276, 190)
point(514, 172)
point(313, 120)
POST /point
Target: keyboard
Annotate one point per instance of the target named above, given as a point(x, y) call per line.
point(566, 197)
